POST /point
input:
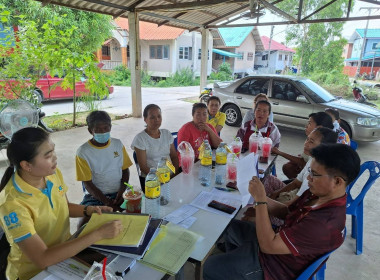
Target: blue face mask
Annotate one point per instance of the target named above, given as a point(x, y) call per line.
point(102, 137)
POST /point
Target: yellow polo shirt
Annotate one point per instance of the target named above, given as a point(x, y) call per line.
point(25, 211)
point(219, 119)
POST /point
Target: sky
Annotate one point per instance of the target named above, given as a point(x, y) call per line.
point(348, 29)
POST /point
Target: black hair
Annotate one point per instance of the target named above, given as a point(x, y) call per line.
point(213, 98)
point(97, 117)
point(333, 112)
point(264, 102)
point(328, 135)
point(23, 146)
point(322, 119)
point(338, 159)
point(197, 106)
point(148, 107)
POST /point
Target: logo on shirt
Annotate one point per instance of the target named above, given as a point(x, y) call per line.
point(11, 221)
point(61, 191)
point(116, 154)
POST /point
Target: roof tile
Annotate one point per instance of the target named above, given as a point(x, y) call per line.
point(275, 45)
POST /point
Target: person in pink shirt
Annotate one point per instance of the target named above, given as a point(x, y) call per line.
point(198, 130)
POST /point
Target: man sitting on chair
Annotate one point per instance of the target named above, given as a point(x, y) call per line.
point(314, 223)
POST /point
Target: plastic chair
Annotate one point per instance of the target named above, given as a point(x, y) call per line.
point(316, 271)
point(355, 205)
point(353, 144)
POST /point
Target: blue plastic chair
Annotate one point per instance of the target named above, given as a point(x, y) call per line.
point(353, 145)
point(355, 205)
point(316, 271)
point(175, 139)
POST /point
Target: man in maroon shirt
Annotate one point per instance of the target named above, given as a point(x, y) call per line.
point(314, 223)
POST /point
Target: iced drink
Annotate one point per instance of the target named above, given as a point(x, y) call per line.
point(187, 163)
point(231, 173)
point(133, 201)
point(266, 149)
point(253, 147)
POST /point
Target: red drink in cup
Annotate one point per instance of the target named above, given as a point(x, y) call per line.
point(133, 201)
point(266, 149)
point(231, 173)
point(187, 163)
point(253, 147)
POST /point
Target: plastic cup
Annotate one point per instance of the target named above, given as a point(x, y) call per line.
point(236, 149)
point(266, 149)
point(133, 201)
point(187, 163)
point(253, 146)
point(231, 172)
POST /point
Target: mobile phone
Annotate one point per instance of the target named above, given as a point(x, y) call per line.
point(231, 185)
point(221, 207)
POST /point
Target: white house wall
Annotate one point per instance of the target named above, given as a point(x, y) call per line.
point(156, 67)
point(248, 46)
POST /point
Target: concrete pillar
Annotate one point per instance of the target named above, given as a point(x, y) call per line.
point(135, 64)
point(204, 62)
point(124, 58)
point(99, 54)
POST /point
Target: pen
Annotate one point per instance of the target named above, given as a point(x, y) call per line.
point(225, 189)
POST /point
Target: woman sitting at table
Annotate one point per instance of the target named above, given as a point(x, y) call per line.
point(34, 210)
point(198, 130)
point(153, 142)
point(250, 115)
point(260, 124)
point(215, 118)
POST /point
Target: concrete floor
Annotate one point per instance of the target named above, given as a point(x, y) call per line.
point(343, 264)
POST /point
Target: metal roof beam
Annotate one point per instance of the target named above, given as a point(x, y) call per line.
point(291, 22)
point(277, 10)
point(176, 16)
point(107, 4)
point(188, 5)
point(371, 1)
point(320, 9)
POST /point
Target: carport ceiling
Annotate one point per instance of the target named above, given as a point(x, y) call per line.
point(195, 14)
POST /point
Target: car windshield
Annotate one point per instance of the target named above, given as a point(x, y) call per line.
point(316, 92)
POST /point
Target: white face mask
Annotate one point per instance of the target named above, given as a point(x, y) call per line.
point(336, 125)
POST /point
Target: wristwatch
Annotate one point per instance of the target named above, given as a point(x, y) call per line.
point(260, 203)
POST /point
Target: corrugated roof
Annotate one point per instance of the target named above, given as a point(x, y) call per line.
point(234, 36)
point(367, 57)
point(274, 46)
point(371, 33)
point(151, 31)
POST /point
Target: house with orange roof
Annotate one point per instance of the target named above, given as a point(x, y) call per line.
point(280, 56)
point(164, 49)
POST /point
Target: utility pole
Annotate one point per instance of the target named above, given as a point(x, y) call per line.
point(270, 43)
point(364, 39)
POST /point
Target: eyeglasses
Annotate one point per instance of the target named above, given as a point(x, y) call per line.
point(314, 175)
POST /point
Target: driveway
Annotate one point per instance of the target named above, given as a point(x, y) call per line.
point(343, 264)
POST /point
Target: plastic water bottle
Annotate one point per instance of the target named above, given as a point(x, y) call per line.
point(163, 173)
point(152, 194)
point(206, 164)
point(221, 161)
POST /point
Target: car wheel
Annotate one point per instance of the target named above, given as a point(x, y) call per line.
point(37, 97)
point(346, 128)
point(233, 115)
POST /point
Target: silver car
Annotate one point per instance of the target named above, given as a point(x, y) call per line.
point(293, 99)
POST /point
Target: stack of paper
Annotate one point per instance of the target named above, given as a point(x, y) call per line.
point(133, 251)
point(134, 228)
point(171, 249)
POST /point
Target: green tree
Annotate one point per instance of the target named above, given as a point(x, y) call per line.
point(91, 29)
point(319, 46)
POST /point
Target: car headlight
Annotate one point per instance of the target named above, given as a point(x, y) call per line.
point(368, 121)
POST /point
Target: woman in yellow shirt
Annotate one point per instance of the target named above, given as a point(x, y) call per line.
point(215, 118)
point(34, 210)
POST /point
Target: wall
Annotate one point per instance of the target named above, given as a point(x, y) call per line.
point(156, 67)
point(230, 60)
point(357, 47)
point(245, 65)
point(368, 48)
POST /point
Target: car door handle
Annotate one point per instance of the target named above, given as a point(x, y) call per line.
point(239, 97)
point(275, 103)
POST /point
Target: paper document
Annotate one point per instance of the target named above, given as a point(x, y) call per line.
point(171, 249)
point(180, 214)
point(69, 269)
point(204, 198)
point(187, 222)
point(246, 169)
point(134, 227)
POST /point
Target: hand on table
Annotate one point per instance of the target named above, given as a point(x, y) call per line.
point(110, 229)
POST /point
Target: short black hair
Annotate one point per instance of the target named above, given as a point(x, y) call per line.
point(197, 106)
point(328, 135)
point(97, 117)
point(265, 103)
point(322, 119)
point(333, 112)
point(338, 159)
point(213, 98)
point(148, 107)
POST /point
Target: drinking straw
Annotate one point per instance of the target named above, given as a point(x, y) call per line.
point(130, 187)
point(104, 268)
